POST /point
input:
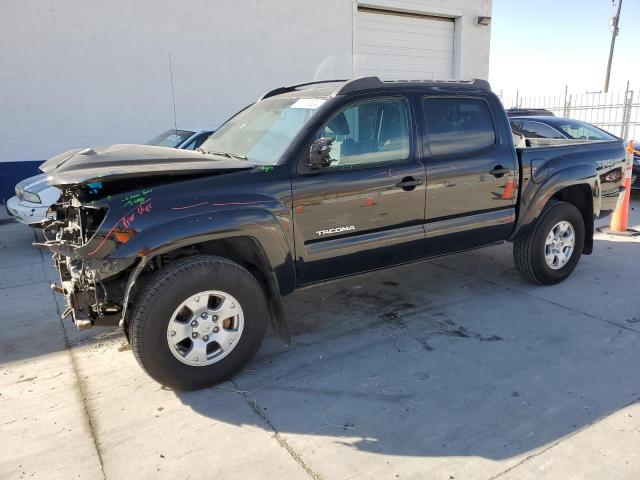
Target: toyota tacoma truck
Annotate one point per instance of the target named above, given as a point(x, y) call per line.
point(191, 252)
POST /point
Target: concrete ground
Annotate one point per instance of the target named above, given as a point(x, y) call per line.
point(451, 369)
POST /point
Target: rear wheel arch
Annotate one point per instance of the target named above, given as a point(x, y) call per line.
point(581, 197)
point(551, 249)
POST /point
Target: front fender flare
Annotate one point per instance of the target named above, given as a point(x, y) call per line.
point(259, 225)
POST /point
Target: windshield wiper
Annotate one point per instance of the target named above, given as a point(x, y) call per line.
point(223, 154)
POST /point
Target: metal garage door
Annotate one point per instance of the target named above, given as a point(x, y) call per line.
point(402, 46)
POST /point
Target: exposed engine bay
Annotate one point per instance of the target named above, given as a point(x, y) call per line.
point(88, 285)
point(96, 289)
point(112, 186)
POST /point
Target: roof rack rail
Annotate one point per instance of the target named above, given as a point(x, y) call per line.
point(365, 83)
point(474, 82)
point(291, 88)
point(481, 84)
point(360, 83)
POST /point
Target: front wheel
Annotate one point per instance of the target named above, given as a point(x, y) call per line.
point(552, 249)
point(198, 322)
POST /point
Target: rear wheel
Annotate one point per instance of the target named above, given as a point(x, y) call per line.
point(552, 249)
point(198, 322)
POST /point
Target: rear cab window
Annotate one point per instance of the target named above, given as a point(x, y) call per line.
point(457, 126)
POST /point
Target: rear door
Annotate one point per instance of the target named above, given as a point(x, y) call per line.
point(366, 210)
point(472, 174)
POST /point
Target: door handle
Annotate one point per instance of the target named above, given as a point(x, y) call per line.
point(408, 183)
point(499, 171)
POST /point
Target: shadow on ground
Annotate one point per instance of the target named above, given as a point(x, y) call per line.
point(454, 357)
point(29, 310)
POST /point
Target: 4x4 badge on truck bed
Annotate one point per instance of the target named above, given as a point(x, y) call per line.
point(335, 230)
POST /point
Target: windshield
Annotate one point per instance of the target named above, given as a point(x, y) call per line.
point(170, 138)
point(583, 131)
point(262, 132)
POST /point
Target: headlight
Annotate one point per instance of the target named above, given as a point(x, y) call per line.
point(30, 197)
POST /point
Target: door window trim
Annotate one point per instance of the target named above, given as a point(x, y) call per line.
point(426, 144)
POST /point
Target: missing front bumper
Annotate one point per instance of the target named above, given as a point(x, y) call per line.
point(78, 301)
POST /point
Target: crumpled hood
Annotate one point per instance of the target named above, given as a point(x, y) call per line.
point(116, 162)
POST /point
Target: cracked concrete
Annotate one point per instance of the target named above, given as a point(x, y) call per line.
point(452, 368)
point(283, 442)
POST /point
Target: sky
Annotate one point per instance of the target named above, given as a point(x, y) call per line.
point(539, 46)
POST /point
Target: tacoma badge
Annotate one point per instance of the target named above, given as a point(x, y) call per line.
point(335, 230)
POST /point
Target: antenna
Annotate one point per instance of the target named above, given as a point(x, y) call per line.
point(173, 95)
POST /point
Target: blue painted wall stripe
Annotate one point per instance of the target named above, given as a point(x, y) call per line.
point(12, 172)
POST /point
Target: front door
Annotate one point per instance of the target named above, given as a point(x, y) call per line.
point(365, 210)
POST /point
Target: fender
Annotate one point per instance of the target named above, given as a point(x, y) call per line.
point(535, 196)
point(260, 225)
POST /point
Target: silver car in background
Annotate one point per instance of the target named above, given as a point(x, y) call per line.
point(34, 196)
point(32, 200)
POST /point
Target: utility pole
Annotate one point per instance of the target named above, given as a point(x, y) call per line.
point(614, 34)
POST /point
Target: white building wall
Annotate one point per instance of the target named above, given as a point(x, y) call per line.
point(82, 73)
point(472, 41)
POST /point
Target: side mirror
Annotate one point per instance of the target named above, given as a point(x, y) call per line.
point(320, 153)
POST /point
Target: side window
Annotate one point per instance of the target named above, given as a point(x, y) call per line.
point(196, 142)
point(191, 145)
point(458, 125)
point(538, 130)
point(369, 132)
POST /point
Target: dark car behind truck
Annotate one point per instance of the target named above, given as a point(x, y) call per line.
point(191, 252)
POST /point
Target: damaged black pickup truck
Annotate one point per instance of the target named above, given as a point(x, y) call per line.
point(192, 252)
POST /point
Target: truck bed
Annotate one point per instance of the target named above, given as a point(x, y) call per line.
point(595, 164)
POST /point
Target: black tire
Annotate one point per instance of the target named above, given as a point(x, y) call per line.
point(165, 292)
point(529, 252)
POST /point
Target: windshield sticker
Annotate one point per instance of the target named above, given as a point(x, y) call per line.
point(308, 103)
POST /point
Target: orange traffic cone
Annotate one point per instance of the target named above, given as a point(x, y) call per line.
point(620, 218)
point(509, 189)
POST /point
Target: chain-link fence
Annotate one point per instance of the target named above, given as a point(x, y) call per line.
point(616, 112)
